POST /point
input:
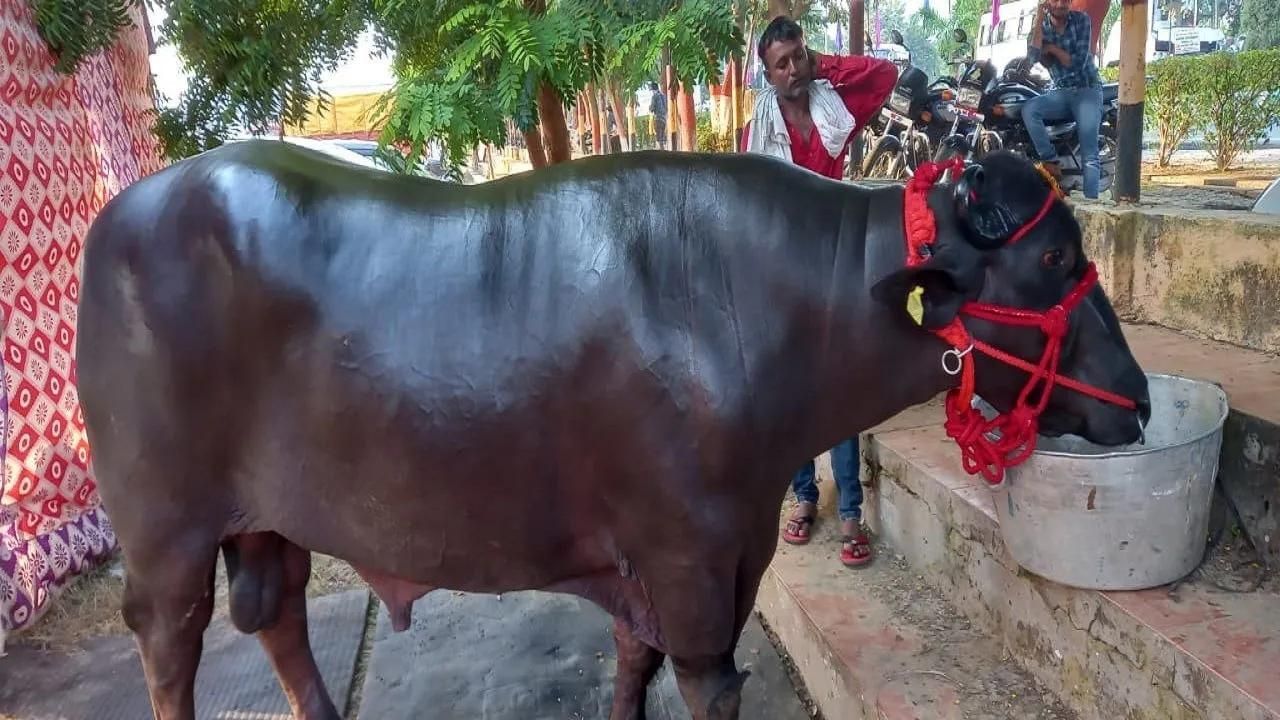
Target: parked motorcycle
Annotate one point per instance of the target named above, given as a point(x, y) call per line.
point(914, 119)
point(991, 112)
point(1002, 111)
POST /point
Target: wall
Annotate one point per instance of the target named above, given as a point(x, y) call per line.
point(1214, 274)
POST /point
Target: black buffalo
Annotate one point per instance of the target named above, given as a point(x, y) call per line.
point(594, 379)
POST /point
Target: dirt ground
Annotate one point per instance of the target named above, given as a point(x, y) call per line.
point(90, 607)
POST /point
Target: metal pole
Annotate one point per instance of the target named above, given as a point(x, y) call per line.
point(1133, 87)
point(857, 26)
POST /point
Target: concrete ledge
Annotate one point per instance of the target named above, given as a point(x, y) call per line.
point(1143, 655)
point(1201, 654)
point(877, 643)
point(1250, 465)
point(1212, 273)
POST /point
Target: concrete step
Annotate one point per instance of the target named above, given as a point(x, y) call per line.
point(1206, 648)
point(879, 643)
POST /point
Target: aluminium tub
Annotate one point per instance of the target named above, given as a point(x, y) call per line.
point(1122, 518)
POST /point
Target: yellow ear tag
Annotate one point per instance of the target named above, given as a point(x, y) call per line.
point(915, 304)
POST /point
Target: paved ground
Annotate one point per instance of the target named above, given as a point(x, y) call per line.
point(104, 681)
point(532, 656)
point(523, 656)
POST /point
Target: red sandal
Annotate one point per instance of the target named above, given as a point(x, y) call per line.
point(802, 524)
point(855, 550)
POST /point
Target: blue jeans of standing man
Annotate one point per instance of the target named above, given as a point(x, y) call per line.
point(1084, 105)
point(844, 465)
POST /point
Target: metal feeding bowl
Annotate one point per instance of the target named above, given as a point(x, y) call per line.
point(1120, 518)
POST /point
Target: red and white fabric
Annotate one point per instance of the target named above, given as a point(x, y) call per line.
point(67, 144)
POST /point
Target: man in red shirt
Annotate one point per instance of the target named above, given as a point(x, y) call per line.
point(820, 120)
point(862, 83)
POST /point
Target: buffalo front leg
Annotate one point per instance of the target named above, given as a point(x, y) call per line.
point(168, 601)
point(285, 640)
point(637, 664)
point(711, 686)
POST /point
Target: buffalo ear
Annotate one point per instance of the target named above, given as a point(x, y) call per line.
point(928, 295)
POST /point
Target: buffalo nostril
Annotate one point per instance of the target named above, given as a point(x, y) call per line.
point(1144, 411)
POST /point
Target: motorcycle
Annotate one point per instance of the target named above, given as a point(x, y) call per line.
point(912, 120)
point(1002, 107)
point(969, 136)
point(990, 109)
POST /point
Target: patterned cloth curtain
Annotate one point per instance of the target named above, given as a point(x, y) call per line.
point(67, 145)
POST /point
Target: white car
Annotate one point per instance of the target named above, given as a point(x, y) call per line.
point(329, 148)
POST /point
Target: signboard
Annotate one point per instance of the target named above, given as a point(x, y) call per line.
point(1185, 40)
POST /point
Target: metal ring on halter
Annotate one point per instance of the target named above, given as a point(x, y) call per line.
point(959, 360)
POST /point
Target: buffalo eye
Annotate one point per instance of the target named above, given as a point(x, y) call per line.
point(1052, 258)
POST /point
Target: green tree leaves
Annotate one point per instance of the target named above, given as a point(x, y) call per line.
point(1233, 98)
point(77, 29)
point(253, 64)
point(1260, 22)
point(463, 67)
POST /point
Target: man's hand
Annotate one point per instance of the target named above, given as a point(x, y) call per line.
point(1062, 57)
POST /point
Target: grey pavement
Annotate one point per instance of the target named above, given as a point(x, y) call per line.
point(521, 656)
point(104, 680)
point(532, 656)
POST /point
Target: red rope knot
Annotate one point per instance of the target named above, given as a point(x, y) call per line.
point(1055, 322)
point(1022, 421)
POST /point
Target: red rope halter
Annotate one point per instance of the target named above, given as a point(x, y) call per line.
point(1017, 429)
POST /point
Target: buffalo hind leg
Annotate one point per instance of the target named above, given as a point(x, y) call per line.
point(268, 576)
point(711, 686)
point(637, 664)
point(168, 601)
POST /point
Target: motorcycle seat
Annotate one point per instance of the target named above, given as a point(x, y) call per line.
point(1110, 92)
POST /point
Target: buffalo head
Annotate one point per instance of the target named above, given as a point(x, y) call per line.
point(973, 259)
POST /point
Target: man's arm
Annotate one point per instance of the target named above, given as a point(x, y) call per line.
point(863, 82)
point(1036, 39)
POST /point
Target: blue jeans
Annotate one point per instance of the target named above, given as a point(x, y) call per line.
point(844, 465)
point(1084, 105)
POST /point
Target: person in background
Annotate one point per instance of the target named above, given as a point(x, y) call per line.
point(1061, 41)
point(658, 108)
point(814, 106)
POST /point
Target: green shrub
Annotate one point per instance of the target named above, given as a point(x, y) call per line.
point(1237, 98)
point(1170, 105)
point(708, 139)
point(1231, 97)
point(643, 139)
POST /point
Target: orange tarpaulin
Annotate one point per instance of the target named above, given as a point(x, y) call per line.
point(1097, 12)
point(347, 115)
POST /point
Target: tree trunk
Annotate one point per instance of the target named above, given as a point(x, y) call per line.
point(602, 109)
point(688, 119)
point(533, 143)
point(584, 124)
point(551, 110)
point(857, 26)
point(631, 124)
point(619, 114)
point(669, 87)
point(594, 117)
point(735, 104)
